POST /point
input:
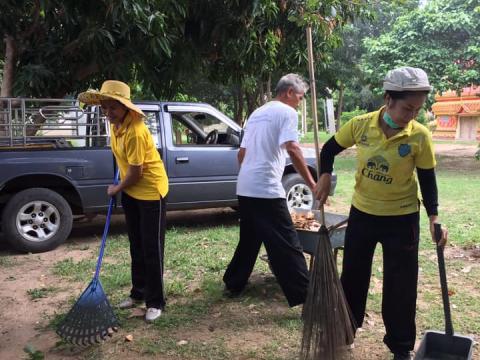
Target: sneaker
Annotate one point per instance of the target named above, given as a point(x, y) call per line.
point(402, 356)
point(129, 303)
point(152, 314)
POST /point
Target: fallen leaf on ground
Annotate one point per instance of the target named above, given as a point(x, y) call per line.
point(136, 312)
point(129, 337)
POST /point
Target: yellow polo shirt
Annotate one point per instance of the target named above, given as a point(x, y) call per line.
point(132, 144)
point(385, 181)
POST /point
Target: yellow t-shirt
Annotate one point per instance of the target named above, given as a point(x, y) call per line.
point(132, 144)
point(385, 182)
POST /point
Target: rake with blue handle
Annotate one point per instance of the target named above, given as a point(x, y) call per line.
point(91, 319)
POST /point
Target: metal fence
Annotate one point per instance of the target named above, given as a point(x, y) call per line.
point(50, 123)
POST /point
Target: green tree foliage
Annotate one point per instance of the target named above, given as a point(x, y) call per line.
point(443, 38)
point(161, 47)
point(343, 72)
point(60, 47)
point(348, 115)
point(249, 44)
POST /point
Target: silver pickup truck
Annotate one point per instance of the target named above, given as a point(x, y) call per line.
point(56, 163)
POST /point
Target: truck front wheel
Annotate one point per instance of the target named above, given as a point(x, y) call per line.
point(36, 220)
point(298, 194)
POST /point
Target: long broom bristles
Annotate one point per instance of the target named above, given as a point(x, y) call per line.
point(328, 323)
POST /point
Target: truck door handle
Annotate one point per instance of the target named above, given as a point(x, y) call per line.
point(179, 160)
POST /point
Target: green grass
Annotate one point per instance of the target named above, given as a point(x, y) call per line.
point(459, 208)
point(40, 293)
point(7, 261)
point(259, 325)
point(32, 353)
point(308, 138)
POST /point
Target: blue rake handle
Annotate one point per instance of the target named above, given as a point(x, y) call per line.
point(105, 231)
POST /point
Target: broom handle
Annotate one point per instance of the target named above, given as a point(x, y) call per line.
point(311, 71)
point(443, 281)
point(105, 230)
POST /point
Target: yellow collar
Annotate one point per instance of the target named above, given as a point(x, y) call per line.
point(124, 125)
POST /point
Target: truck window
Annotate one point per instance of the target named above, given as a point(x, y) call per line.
point(201, 129)
point(152, 124)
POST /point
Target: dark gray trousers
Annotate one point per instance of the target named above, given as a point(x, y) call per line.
point(399, 237)
point(268, 221)
point(146, 220)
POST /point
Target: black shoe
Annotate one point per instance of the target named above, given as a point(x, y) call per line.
point(402, 356)
point(232, 293)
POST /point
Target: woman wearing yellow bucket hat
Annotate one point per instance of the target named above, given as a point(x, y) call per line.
point(143, 185)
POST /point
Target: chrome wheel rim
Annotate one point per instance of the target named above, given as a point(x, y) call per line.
point(300, 196)
point(38, 221)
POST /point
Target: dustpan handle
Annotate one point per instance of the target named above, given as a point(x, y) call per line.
point(443, 281)
point(105, 230)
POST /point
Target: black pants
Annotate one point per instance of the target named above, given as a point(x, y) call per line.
point(146, 233)
point(268, 221)
point(399, 238)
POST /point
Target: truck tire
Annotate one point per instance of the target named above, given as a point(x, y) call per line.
point(298, 194)
point(36, 220)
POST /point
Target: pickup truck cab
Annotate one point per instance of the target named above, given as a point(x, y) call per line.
point(56, 163)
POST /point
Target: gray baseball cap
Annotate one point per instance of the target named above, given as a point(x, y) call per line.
point(407, 79)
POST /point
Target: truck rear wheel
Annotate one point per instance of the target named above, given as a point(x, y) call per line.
point(36, 220)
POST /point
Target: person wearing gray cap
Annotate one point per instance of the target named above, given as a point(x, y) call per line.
point(391, 145)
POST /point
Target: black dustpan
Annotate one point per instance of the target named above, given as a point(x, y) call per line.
point(437, 345)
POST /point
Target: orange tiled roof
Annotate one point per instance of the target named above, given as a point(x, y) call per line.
point(457, 107)
point(468, 93)
point(449, 103)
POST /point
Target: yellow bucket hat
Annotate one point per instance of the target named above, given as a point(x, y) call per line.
point(111, 90)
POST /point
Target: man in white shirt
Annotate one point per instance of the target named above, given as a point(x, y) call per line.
point(270, 134)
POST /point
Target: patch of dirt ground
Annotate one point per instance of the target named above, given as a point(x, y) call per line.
point(23, 319)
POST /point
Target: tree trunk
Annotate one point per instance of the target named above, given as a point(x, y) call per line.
point(7, 79)
point(252, 102)
point(263, 95)
point(238, 106)
point(269, 87)
point(8, 66)
point(341, 92)
point(265, 91)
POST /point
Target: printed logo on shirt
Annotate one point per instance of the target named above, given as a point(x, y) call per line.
point(377, 170)
point(404, 149)
point(363, 140)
